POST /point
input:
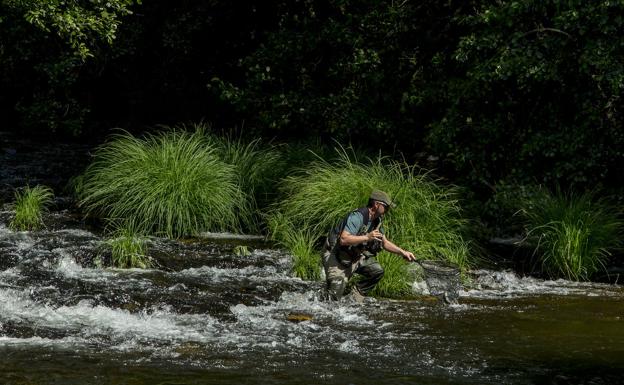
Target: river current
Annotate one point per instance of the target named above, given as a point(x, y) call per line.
point(215, 317)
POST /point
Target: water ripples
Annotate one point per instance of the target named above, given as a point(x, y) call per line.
point(209, 309)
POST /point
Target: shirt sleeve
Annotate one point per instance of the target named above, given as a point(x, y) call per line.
point(355, 221)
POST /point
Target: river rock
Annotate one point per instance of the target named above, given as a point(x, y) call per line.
point(299, 317)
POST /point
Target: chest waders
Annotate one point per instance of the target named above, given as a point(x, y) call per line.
point(348, 255)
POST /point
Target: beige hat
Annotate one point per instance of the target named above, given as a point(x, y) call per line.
point(378, 195)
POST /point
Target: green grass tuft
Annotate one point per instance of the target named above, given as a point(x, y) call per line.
point(426, 220)
point(30, 205)
point(396, 282)
point(171, 184)
point(256, 167)
point(573, 234)
point(301, 243)
point(241, 251)
point(128, 250)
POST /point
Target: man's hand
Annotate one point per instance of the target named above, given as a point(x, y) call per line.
point(374, 235)
point(408, 255)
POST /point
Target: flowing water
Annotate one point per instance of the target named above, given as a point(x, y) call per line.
point(207, 316)
point(214, 317)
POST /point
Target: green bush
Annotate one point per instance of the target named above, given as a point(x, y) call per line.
point(30, 205)
point(170, 184)
point(426, 221)
point(573, 234)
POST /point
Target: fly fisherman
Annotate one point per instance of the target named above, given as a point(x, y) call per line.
point(352, 245)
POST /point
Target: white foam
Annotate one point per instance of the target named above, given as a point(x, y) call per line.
point(267, 274)
point(86, 320)
point(36, 341)
point(509, 284)
point(21, 239)
point(67, 266)
point(226, 235)
point(268, 324)
point(76, 232)
point(350, 346)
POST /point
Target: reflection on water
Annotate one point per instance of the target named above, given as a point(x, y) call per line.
point(208, 316)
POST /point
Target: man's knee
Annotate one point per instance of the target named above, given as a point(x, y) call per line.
point(376, 273)
point(373, 270)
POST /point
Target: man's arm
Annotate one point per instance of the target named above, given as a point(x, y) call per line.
point(391, 247)
point(355, 222)
point(348, 239)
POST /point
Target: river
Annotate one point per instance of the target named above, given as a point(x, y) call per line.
point(214, 317)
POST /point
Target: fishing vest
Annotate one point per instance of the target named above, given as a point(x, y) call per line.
point(350, 254)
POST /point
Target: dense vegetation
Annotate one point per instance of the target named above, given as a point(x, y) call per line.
point(317, 197)
point(526, 91)
point(495, 96)
point(574, 234)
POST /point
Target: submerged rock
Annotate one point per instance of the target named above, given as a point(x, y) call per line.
point(299, 317)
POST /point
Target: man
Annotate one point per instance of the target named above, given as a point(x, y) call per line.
point(352, 245)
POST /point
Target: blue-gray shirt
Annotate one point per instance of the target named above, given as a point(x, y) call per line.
point(355, 224)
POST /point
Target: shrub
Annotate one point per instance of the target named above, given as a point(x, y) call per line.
point(573, 234)
point(426, 221)
point(170, 184)
point(30, 205)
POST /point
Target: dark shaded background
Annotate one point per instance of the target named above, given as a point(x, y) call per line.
point(485, 92)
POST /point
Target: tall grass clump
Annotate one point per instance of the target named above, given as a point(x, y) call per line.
point(426, 221)
point(171, 184)
point(573, 234)
point(260, 166)
point(395, 282)
point(30, 205)
point(257, 169)
point(128, 249)
point(301, 243)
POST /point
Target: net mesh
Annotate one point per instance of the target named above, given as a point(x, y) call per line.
point(442, 279)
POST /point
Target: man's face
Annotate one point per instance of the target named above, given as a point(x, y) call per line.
point(382, 208)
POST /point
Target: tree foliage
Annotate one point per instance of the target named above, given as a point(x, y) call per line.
point(498, 91)
point(527, 91)
point(81, 25)
point(44, 45)
point(540, 98)
point(342, 69)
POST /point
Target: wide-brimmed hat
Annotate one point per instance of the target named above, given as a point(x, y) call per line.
point(383, 197)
